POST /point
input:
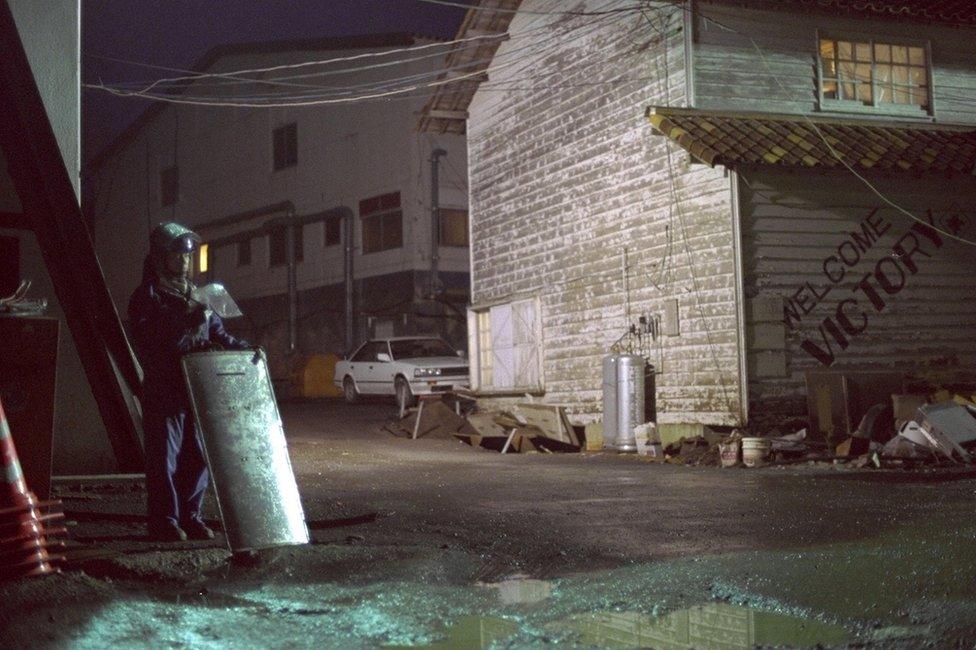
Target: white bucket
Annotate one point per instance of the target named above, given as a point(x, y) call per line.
point(755, 451)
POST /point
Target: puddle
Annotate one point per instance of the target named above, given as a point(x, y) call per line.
point(714, 625)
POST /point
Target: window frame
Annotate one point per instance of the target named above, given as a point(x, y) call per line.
point(477, 353)
point(381, 215)
point(289, 154)
point(886, 109)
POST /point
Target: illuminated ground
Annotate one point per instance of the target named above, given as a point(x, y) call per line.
point(433, 543)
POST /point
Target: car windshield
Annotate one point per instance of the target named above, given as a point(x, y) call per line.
point(414, 348)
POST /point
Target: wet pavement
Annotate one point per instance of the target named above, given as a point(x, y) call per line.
point(431, 543)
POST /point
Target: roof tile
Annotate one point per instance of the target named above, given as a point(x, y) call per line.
point(731, 139)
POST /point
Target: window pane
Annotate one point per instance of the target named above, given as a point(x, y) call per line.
point(847, 70)
point(882, 73)
point(864, 93)
point(392, 230)
point(830, 90)
point(863, 72)
point(454, 227)
point(899, 54)
point(918, 76)
point(844, 51)
point(882, 53)
point(884, 94)
point(902, 96)
point(827, 49)
point(372, 234)
point(830, 69)
point(899, 75)
point(916, 56)
point(848, 91)
point(863, 51)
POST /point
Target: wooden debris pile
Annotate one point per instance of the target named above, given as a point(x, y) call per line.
point(521, 428)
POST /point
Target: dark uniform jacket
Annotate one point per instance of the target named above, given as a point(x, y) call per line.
point(165, 326)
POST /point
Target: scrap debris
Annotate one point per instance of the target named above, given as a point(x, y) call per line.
point(909, 431)
point(522, 427)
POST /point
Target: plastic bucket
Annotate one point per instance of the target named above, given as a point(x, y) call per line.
point(755, 451)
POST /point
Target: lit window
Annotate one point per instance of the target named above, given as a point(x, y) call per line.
point(382, 223)
point(870, 73)
point(203, 258)
point(454, 227)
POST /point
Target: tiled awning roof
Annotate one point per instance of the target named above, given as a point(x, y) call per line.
point(951, 12)
point(732, 139)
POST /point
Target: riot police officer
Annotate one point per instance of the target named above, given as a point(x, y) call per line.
point(166, 324)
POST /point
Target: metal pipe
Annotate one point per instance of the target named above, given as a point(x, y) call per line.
point(435, 220)
point(292, 286)
point(347, 237)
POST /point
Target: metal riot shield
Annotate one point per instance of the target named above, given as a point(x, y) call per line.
point(244, 443)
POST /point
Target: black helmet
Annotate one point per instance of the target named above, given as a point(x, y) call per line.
point(172, 238)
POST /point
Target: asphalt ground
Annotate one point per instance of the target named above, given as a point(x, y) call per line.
point(427, 542)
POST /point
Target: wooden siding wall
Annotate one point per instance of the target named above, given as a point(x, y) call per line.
point(566, 173)
point(800, 227)
point(730, 73)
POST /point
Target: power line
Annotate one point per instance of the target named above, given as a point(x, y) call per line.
point(500, 10)
point(380, 90)
point(833, 152)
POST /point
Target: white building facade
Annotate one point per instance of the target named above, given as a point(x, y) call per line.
point(349, 184)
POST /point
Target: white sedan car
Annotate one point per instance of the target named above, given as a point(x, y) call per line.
point(402, 366)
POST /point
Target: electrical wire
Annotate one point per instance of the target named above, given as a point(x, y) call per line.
point(833, 152)
point(500, 10)
point(307, 100)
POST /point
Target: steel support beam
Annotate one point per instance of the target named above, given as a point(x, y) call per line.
point(50, 206)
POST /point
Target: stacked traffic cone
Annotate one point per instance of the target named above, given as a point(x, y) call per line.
point(26, 547)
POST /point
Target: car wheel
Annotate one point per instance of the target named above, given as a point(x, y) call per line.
point(349, 390)
point(404, 396)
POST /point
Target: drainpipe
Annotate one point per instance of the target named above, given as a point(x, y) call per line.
point(292, 283)
point(435, 226)
point(347, 228)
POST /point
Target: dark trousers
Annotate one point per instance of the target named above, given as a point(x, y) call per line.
point(176, 472)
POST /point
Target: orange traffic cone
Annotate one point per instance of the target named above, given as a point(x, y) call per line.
point(24, 540)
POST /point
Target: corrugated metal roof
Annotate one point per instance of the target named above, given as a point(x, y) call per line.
point(446, 111)
point(731, 139)
point(952, 12)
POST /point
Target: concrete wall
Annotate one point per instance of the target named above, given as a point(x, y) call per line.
point(837, 277)
point(49, 30)
point(731, 74)
point(566, 174)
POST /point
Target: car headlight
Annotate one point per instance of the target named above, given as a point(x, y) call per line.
point(427, 372)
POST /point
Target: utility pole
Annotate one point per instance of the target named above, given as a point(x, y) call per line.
point(435, 221)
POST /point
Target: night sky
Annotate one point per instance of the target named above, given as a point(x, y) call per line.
point(175, 33)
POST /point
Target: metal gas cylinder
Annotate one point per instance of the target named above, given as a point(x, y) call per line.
point(623, 400)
